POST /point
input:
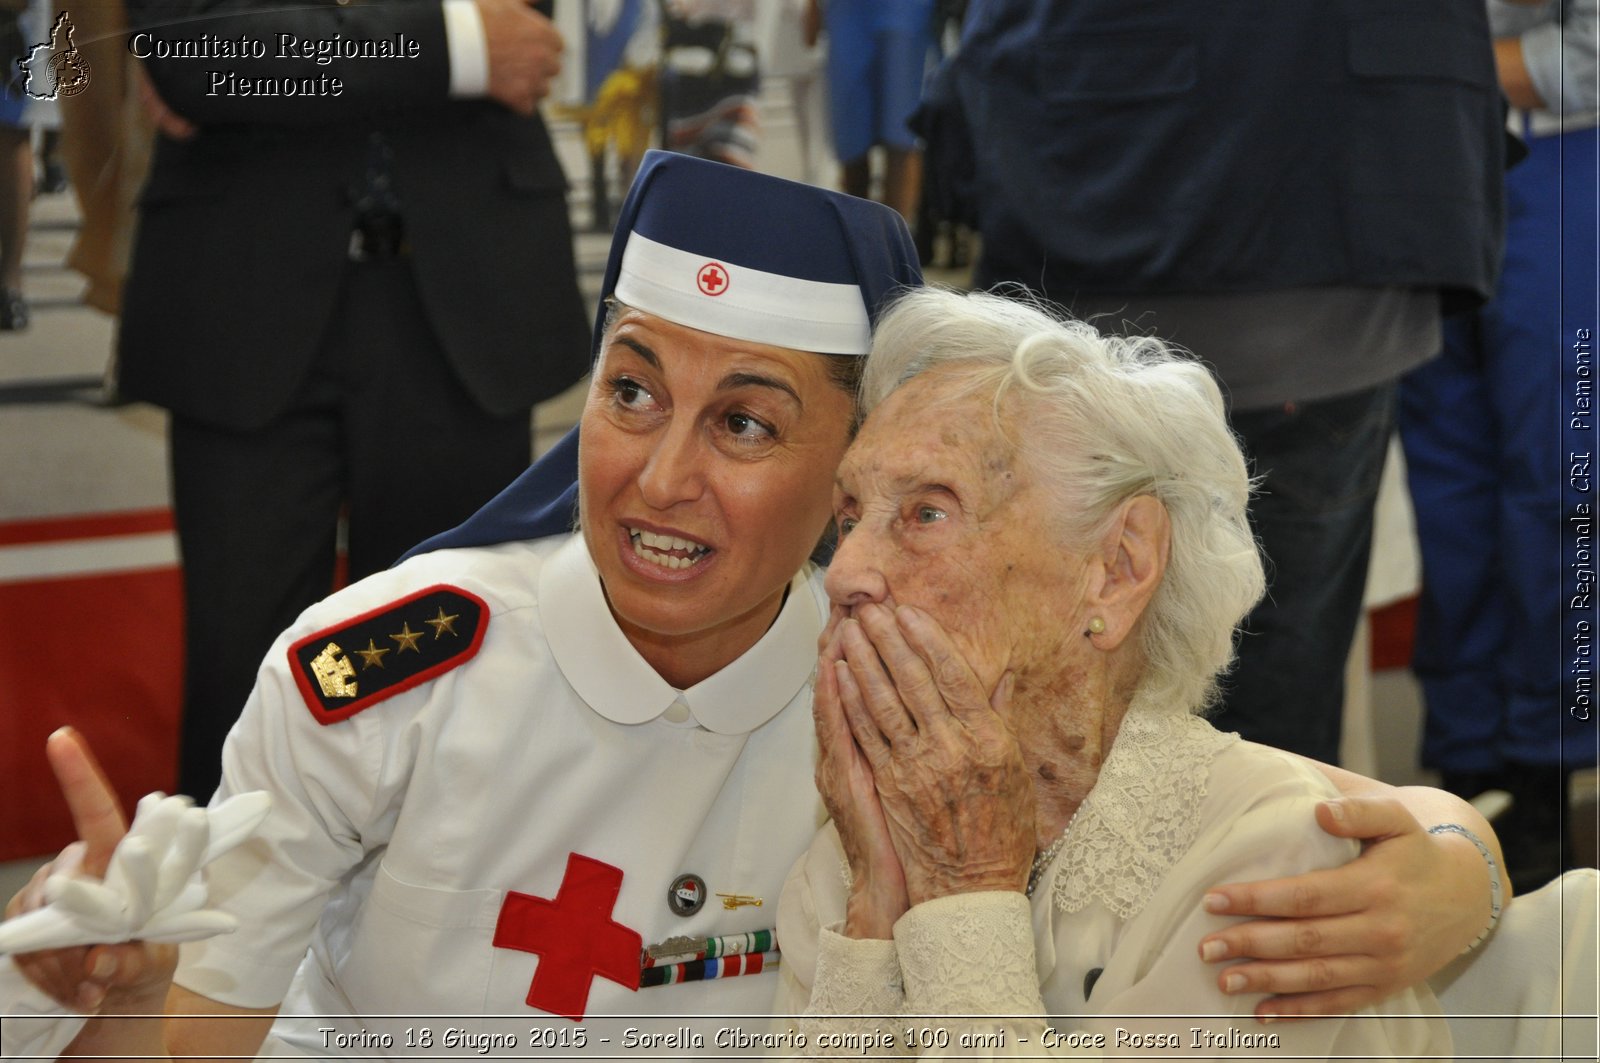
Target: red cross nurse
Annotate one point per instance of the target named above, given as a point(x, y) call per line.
point(491, 766)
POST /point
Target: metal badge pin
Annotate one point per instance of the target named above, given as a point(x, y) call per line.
point(687, 895)
point(731, 901)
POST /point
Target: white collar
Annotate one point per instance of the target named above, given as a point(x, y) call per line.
point(616, 682)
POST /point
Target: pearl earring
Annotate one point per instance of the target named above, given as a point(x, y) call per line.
point(1096, 626)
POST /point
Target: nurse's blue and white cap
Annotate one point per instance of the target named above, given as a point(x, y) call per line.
point(755, 257)
point(731, 252)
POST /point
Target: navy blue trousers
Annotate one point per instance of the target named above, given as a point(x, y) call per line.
point(1488, 437)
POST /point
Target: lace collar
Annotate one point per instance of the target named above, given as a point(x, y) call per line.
point(1143, 813)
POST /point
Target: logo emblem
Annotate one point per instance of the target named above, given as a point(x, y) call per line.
point(712, 278)
point(574, 937)
point(335, 674)
point(55, 69)
point(687, 895)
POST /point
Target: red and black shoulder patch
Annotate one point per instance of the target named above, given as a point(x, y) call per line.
point(354, 665)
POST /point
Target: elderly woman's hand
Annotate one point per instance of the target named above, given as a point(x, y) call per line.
point(1341, 939)
point(877, 883)
point(949, 773)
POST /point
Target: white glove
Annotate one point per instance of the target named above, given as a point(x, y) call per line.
point(152, 890)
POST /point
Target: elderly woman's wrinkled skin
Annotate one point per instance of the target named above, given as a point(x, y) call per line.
point(958, 624)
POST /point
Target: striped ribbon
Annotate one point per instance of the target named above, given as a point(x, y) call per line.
point(710, 948)
point(707, 969)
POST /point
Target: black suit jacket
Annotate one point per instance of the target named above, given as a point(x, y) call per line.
point(1195, 146)
point(244, 229)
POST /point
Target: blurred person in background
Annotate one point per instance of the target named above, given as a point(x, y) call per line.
point(788, 54)
point(24, 88)
point(349, 303)
point(1289, 190)
point(106, 139)
point(877, 54)
point(1487, 438)
point(710, 76)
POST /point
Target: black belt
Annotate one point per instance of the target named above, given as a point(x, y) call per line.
point(378, 235)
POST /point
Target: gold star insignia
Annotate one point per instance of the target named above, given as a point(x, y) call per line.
point(372, 656)
point(442, 623)
point(407, 638)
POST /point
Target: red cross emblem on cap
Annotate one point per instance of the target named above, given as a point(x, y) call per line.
point(712, 278)
point(574, 937)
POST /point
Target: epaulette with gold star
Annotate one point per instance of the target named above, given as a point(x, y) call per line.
point(354, 665)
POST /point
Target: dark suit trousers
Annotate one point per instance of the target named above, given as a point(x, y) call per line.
point(382, 432)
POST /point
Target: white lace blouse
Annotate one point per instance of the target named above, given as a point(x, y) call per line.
point(1103, 960)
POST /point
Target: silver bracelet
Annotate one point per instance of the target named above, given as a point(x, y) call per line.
point(1494, 876)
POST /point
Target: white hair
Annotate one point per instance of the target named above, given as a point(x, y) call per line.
point(1107, 419)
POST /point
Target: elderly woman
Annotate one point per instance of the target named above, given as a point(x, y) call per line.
point(1043, 554)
